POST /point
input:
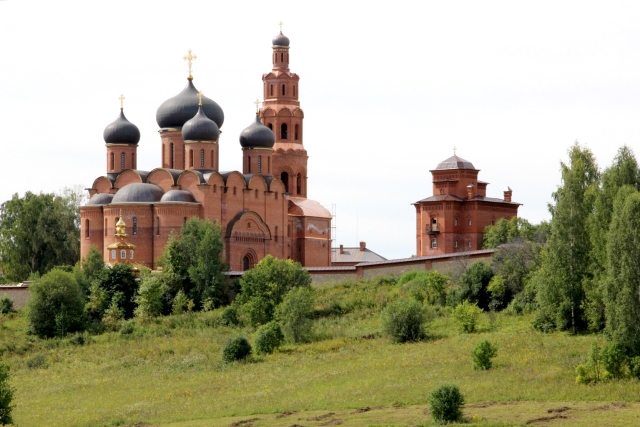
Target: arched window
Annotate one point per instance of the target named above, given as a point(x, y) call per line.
point(455, 222)
point(122, 161)
point(294, 90)
point(299, 184)
point(271, 91)
point(248, 164)
point(259, 164)
point(173, 157)
point(455, 244)
point(131, 254)
point(271, 127)
point(135, 226)
point(295, 132)
point(106, 223)
point(86, 228)
point(112, 164)
point(434, 243)
point(201, 158)
point(190, 158)
point(123, 254)
point(282, 59)
point(184, 220)
point(283, 131)
point(212, 163)
point(283, 90)
point(284, 177)
point(245, 263)
point(113, 254)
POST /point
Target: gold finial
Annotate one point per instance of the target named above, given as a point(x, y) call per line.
point(257, 102)
point(121, 101)
point(200, 94)
point(121, 227)
point(281, 24)
point(189, 57)
point(454, 151)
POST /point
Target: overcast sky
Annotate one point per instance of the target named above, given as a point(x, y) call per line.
point(388, 90)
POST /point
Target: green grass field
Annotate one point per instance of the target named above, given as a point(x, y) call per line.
point(170, 374)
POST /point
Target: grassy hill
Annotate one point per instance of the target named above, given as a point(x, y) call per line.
point(169, 373)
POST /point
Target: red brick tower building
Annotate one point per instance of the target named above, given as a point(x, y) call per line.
point(262, 210)
point(454, 218)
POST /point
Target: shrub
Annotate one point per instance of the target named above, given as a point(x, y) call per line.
point(121, 280)
point(56, 305)
point(149, 298)
point(474, 284)
point(425, 286)
point(181, 304)
point(127, 327)
point(482, 355)
point(445, 404)
point(294, 314)
point(6, 395)
point(113, 315)
point(403, 320)
point(39, 361)
point(79, 339)
point(6, 305)
point(268, 338)
point(591, 371)
point(235, 349)
point(634, 367)
point(466, 314)
point(229, 317)
point(614, 359)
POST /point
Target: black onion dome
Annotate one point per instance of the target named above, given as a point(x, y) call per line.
point(200, 128)
point(100, 199)
point(175, 112)
point(280, 40)
point(455, 162)
point(121, 131)
point(138, 193)
point(257, 135)
point(178, 196)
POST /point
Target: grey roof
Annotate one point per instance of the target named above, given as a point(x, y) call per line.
point(182, 196)
point(280, 40)
point(121, 131)
point(200, 128)
point(100, 199)
point(455, 162)
point(257, 135)
point(138, 193)
point(452, 198)
point(175, 112)
point(354, 255)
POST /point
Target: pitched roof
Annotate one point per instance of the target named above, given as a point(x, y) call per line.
point(354, 255)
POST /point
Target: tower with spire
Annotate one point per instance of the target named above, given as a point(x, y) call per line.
point(282, 114)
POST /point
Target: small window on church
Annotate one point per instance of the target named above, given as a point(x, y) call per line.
point(295, 132)
point(190, 158)
point(135, 226)
point(211, 159)
point(123, 254)
point(113, 254)
point(283, 131)
point(86, 229)
point(271, 126)
point(271, 91)
point(455, 222)
point(122, 161)
point(215, 188)
point(283, 90)
point(248, 167)
point(455, 244)
point(469, 222)
point(112, 162)
point(131, 254)
point(434, 243)
point(184, 220)
point(173, 156)
point(469, 243)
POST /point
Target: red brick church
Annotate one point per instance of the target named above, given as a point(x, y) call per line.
point(262, 210)
point(454, 218)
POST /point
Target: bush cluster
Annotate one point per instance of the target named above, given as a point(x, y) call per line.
point(467, 314)
point(235, 349)
point(403, 320)
point(445, 404)
point(268, 338)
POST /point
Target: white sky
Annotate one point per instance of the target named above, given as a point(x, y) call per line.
point(388, 89)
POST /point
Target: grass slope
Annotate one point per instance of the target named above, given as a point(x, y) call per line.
point(170, 373)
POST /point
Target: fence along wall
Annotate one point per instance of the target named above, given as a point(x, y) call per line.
point(448, 263)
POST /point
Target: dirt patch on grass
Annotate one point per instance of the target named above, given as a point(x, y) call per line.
point(361, 410)
point(321, 417)
point(285, 414)
point(244, 423)
point(549, 418)
point(610, 406)
point(333, 422)
point(558, 410)
point(481, 405)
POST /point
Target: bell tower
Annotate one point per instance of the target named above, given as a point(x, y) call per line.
point(282, 114)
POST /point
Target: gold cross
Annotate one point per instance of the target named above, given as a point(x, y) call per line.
point(200, 94)
point(189, 57)
point(257, 102)
point(454, 151)
point(281, 24)
point(121, 101)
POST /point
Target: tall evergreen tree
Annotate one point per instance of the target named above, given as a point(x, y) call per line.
point(623, 171)
point(567, 261)
point(622, 291)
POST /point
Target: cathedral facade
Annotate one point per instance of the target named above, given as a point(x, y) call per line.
point(453, 219)
point(262, 210)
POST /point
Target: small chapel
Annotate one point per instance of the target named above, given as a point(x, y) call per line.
point(262, 210)
point(453, 219)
